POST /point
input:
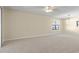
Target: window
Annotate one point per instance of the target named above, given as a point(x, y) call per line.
point(56, 25)
point(77, 23)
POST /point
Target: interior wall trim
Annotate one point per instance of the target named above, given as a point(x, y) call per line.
point(33, 36)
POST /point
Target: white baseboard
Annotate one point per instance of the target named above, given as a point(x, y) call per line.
point(33, 36)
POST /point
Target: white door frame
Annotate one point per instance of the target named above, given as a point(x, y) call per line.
point(0, 26)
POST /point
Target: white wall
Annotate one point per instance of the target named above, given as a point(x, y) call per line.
point(71, 24)
point(20, 24)
point(70, 19)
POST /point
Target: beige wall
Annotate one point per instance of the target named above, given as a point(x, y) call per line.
point(4, 24)
point(63, 25)
point(20, 24)
point(71, 24)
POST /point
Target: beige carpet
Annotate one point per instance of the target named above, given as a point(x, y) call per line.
point(56, 43)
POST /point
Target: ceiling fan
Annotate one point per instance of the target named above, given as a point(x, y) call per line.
point(49, 8)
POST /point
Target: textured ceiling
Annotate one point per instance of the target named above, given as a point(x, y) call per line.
point(59, 10)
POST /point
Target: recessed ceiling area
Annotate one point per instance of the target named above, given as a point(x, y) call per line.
point(58, 11)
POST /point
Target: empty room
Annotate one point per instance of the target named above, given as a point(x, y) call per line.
point(39, 29)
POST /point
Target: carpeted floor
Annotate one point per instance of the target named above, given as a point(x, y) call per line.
point(56, 43)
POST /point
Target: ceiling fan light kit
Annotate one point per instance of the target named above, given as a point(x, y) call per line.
point(49, 8)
